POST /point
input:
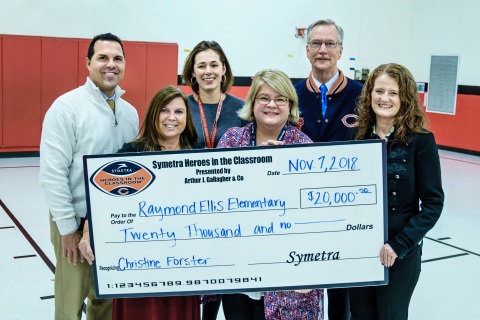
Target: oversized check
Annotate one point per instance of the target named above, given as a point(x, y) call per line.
point(233, 220)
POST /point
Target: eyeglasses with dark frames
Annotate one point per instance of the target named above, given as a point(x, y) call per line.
point(279, 101)
point(330, 45)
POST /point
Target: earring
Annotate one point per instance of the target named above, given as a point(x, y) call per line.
point(191, 80)
point(224, 79)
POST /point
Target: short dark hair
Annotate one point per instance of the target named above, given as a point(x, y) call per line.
point(189, 64)
point(103, 37)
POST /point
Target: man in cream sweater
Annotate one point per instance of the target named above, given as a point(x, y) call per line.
point(91, 119)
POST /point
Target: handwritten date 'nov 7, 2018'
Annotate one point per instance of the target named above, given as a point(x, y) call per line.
point(323, 164)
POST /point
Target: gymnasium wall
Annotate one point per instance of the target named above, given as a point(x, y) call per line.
point(34, 71)
point(454, 132)
point(458, 132)
point(255, 35)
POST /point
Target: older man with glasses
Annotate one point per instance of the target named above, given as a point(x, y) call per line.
point(327, 102)
point(327, 97)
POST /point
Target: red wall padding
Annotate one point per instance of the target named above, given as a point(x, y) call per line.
point(1, 92)
point(135, 66)
point(239, 92)
point(59, 63)
point(459, 130)
point(159, 65)
point(21, 121)
point(34, 71)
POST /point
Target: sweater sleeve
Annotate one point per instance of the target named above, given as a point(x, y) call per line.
point(57, 147)
point(428, 183)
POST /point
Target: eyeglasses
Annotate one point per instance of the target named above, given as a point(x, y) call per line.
point(328, 44)
point(280, 101)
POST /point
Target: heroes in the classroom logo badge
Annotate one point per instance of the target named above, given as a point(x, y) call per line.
point(122, 178)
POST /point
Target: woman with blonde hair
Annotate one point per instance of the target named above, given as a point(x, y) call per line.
point(272, 106)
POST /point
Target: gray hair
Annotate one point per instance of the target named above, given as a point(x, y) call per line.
point(326, 22)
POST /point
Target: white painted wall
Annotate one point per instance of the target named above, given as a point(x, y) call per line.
point(444, 28)
point(258, 34)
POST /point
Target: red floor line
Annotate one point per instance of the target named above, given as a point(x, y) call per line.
point(28, 237)
point(474, 163)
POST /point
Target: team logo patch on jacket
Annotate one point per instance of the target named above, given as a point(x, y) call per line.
point(350, 120)
point(122, 178)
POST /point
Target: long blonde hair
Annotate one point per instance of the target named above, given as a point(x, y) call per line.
point(279, 82)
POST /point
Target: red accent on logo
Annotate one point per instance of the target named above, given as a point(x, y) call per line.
point(122, 178)
point(350, 123)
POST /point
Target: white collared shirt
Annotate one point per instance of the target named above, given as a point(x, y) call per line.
point(329, 83)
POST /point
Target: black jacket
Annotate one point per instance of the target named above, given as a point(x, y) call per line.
point(132, 147)
point(413, 176)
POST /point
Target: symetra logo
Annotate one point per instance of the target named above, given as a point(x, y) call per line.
point(122, 178)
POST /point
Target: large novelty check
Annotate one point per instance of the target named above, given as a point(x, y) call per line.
point(233, 220)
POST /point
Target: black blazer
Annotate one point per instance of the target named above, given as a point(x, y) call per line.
point(132, 147)
point(413, 176)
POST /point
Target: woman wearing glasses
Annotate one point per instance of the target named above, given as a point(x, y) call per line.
point(272, 106)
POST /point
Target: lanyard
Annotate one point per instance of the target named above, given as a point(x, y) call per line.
point(253, 135)
point(209, 138)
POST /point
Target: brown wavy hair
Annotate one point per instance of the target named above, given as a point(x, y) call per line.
point(190, 63)
point(151, 136)
point(410, 117)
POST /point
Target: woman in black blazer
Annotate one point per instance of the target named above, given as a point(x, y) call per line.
point(389, 108)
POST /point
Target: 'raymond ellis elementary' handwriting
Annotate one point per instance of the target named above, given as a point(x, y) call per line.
point(146, 209)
